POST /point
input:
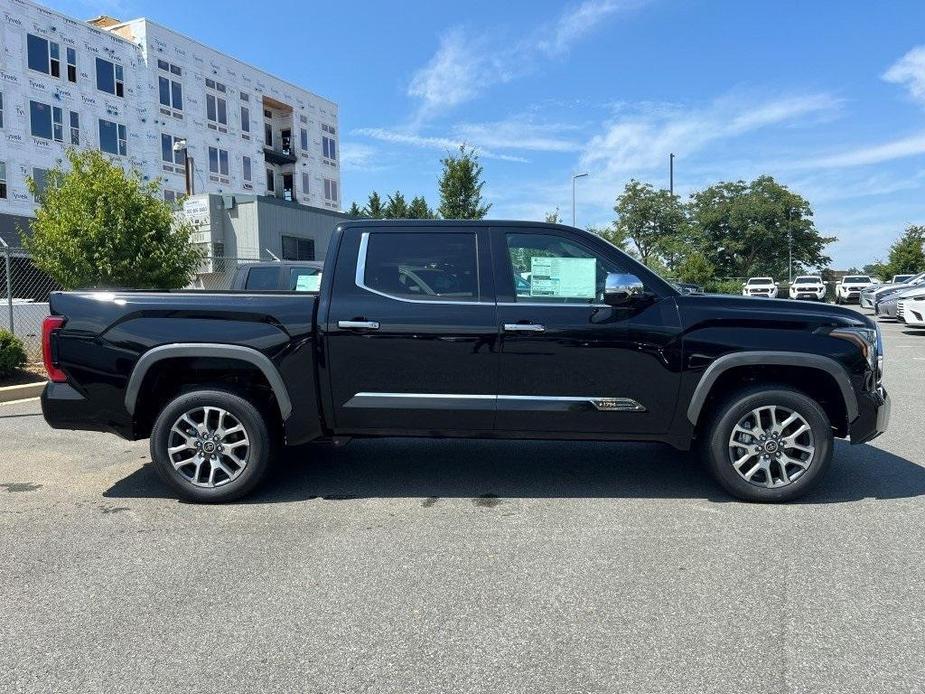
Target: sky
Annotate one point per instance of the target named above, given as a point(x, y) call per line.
point(826, 96)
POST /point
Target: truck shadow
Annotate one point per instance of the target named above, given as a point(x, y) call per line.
point(432, 469)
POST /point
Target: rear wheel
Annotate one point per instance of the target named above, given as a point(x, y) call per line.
point(211, 446)
point(769, 444)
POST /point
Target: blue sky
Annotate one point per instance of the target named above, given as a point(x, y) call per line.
point(826, 96)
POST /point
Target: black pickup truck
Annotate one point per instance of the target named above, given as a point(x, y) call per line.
point(466, 329)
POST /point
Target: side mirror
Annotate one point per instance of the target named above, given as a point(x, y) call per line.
point(620, 288)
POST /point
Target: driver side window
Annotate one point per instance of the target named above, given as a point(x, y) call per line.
point(547, 268)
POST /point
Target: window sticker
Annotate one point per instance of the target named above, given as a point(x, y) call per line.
point(574, 278)
point(308, 283)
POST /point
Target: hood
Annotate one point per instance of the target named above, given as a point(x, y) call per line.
point(778, 310)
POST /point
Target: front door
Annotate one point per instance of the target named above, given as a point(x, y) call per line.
point(569, 362)
point(411, 331)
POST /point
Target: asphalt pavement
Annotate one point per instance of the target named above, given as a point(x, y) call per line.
point(464, 566)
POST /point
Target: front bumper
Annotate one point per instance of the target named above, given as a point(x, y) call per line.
point(811, 295)
point(886, 309)
point(873, 416)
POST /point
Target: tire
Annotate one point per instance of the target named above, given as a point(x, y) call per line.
point(240, 458)
point(776, 479)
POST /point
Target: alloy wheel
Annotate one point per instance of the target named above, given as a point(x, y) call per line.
point(771, 446)
point(208, 446)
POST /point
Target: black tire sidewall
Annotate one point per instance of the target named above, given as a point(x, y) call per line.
point(716, 444)
point(242, 409)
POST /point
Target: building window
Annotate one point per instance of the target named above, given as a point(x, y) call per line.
point(172, 196)
point(218, 161)
point(170, 90)
point(1, 109)
point(168, 153)
point(57, 118)
point(330, 190)
point(75, 128)
point(245, 96)
point(304, 185)
point(303, 139)
point(2, 180)
point(295, 248)
point(40, 179)
point(110, 77)
point(271, 181)
point(71, 65)
point(327, 148)
point(43, 55)
point(40, 117)
point(112, 137)
point(245, 119)
point(246, 167)
point(216, 106)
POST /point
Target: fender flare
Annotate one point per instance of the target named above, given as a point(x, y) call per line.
point(207, 349)
point(763, 358)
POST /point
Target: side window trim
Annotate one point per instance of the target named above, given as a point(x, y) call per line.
point(360, 278)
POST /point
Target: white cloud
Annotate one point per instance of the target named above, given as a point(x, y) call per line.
point(469, 63)
point(357, 156)
point(641, 142)
point(520, 133)
point(910, 71)
point(902, 148)
point(424, 142)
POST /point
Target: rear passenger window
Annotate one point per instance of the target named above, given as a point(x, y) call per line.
point(422, 266)
point(304, 279)
point(263, 278)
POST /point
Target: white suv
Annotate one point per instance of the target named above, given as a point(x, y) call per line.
point(849, 289)
point(760, 286)
point(808, 287)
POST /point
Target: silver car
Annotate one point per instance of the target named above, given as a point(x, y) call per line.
point(871, 295)
point(886, 307)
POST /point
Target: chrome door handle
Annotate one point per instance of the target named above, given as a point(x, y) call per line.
point(358, 324)
point(524, 328)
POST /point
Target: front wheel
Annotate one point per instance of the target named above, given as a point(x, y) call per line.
point(211, 446)
point(768, 444)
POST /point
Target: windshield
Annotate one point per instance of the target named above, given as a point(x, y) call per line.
point(808, 280)
point(902, 278)
point(857, 279)
point(761, 280)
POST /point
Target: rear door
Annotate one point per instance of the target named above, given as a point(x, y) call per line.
point(412, 331)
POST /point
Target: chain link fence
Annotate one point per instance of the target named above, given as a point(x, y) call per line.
point(25, 291)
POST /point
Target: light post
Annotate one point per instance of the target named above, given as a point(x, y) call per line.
point(790, 245)
point(575, 178)
point(671, 174)
point(180, 146)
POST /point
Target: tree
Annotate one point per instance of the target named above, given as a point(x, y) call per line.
point(696, 269)
point(461, 186)
point(355, 210)
point(374, 207)
point(554, 217)
point(97, 226)
point(396, 208)
point(651, 218)
point(614, 235)
point(418, 209)
point(749, 228)
point(906, 254)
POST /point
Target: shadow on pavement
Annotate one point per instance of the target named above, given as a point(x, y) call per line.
point(447, 468)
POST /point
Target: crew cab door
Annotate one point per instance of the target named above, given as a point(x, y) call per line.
point(570, 363)
point(412, 334)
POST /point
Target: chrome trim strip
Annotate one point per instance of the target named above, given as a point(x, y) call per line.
point(360, 278)
point(527, 304)
point(358, 324)
point(524, 328)
point(603, 404)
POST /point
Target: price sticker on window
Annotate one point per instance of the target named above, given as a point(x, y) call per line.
point(573, 278)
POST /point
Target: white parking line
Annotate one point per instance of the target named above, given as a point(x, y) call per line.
point(16, 402)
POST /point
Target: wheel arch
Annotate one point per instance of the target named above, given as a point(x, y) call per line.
point(834, 378)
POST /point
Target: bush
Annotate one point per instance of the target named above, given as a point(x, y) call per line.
point(724, 287)
point(12, 353)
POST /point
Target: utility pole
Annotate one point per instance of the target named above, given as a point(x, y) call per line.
point(575, 178)
point(790, 244)
point(181, 146)
point(671, 173)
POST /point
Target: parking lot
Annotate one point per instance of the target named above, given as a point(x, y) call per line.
point(455, 566)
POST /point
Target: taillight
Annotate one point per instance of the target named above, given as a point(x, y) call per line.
point(49, 354)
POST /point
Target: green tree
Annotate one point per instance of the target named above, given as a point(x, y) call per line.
point(749, 228)
point(651, 218)
point(97, 226)
point(355, 210)
point(461, 185)
point(695, 268)
point(374, 207)
point(396, 207)
point(554, 217)
point(418, 209)
point(614, 235)
point(906, 253)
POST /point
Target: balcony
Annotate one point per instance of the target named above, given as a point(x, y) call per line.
point(279, 157)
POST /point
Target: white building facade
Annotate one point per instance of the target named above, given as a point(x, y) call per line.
point(140, 92)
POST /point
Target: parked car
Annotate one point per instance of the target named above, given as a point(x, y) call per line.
point(597, 347)
point(871, 295)
point(760, 286)
point(808, 287)
point(900, 279)
point(886, 306)
point(849, 288)
point(911, 311)
point(288, 275)
point(687, 287)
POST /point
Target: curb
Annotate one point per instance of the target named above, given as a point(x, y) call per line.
point(22, 392)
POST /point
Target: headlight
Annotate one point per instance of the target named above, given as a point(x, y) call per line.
point(868, 341)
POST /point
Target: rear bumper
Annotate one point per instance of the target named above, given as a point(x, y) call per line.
point(873, 416)
point(65, 408)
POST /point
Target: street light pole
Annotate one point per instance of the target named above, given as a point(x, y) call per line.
point(671, 173)
point(575, 178)
point(790, 244)
point(181, 146)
